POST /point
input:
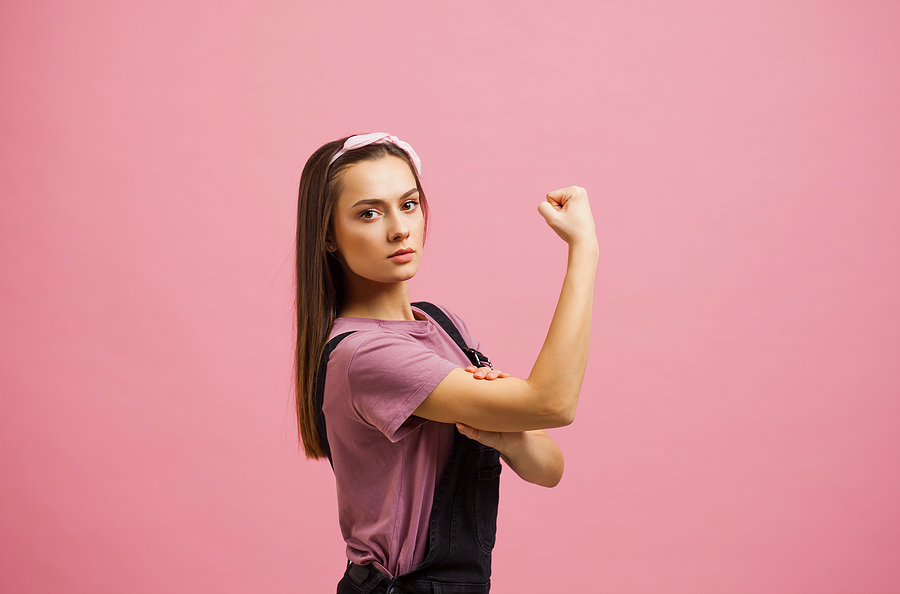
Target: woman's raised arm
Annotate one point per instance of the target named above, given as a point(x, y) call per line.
point(548, 397)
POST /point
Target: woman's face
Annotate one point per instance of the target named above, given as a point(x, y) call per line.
point(378, 225)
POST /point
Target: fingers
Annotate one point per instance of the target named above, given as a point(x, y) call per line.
point(548, 211)
point(558, 198)
point(568, 212)
point(485, 373)
point(489, 438)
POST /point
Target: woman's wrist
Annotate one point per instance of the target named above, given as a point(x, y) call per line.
point(511, 443)
point(585, 247)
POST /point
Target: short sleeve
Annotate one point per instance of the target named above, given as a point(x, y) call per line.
point(389, 375)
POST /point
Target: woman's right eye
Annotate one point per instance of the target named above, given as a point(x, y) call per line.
point(367, 214)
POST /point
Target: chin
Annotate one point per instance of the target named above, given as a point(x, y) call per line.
point(405, 275)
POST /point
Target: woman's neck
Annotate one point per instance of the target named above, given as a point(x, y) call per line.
point(377, 300)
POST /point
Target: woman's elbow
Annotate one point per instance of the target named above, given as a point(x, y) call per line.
point(555, 407)
point(567, 416)
point(561, 411)
point(551, 480)
point(555, 415)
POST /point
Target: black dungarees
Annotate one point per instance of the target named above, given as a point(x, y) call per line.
point(463, 521)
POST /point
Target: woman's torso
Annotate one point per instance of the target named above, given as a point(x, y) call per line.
point(386, 461)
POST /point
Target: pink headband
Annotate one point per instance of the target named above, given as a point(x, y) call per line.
point(361, 140)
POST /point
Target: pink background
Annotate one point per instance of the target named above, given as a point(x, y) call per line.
point(738, 428)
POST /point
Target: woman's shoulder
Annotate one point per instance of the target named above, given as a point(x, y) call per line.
point(368, 335)
point(371, 336)
point(427, 307)
point(404, 355)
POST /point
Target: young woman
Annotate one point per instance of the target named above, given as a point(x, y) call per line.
point(398, 396)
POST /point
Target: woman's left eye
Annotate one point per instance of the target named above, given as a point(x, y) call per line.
point(410, 204)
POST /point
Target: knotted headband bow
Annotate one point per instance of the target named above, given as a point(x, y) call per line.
point(361, 140)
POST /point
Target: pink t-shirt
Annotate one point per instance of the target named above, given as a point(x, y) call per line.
point(386, 461)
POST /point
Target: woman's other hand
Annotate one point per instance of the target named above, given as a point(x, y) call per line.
point(492, 439)
point(485, 372)
point(568, 213)
point(533, 455)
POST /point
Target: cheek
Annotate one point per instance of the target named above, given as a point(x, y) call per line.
point(353, 239)
point(419, 226)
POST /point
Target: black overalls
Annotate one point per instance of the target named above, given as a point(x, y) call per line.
point(463, 521)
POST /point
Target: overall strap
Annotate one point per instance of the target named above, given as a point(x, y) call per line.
point(477, 358)
point(319, 390)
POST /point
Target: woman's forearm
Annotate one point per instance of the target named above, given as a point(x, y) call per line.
point(532, 455)
point(535, 458)
point(559, 369)
point(558, 372)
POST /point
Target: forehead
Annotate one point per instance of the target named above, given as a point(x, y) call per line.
point(383, 179)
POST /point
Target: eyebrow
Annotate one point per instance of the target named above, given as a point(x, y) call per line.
point(376, 201)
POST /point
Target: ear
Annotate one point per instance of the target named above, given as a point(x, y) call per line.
point(329, 243)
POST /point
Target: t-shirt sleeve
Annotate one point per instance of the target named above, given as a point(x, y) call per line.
point(389, 376)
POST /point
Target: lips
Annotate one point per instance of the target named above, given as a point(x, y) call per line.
point(404, 255)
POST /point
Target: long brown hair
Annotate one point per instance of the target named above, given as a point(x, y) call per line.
point(320, 280)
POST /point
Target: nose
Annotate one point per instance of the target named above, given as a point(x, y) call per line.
point(398, 230)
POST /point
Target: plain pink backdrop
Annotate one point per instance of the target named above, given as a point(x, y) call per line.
point(739, 428)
